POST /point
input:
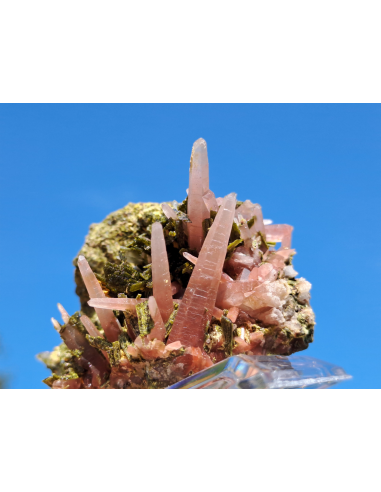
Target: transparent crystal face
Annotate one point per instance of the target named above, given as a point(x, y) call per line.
point(266, 372)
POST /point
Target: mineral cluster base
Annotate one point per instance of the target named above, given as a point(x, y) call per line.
point(168, 290)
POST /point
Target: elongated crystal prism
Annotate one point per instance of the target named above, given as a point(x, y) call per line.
point(210, 201)
point(200, 296)
point(56, 325)
point(120, 304)
point(198, 187)
point(168, 211)
point(93, 332)
point(161, 278)
point(90, 327)
point(64, 313)
point(189, 257)
point(107, 319)
point(158, 330)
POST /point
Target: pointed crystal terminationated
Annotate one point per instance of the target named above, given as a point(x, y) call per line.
point(93, 332)
point(198, 187)
point(64, 313)
point(158, 330)
point(161, 278)
point(56, 325)
point(168, 211)
point(90, 327)
point(210, 201)
point(199, 299)
point(107, 319)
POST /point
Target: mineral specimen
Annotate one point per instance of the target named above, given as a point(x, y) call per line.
point(169, 289)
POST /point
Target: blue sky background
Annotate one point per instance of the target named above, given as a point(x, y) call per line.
point(316, 167)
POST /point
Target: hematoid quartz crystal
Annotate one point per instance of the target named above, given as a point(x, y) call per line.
point(169, 289)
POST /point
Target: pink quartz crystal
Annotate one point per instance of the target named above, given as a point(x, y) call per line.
point(120, 304)
point(93, 331)
point(175, 287)
point(248, 210)
point(278, 258)
point(265, 272)
point(210, 201)
point(64, 313)
point(232, 293)
point(200, 295)
point(90, 327)
point(238, 262)
point(168, 211)
point(107, 319)
point(198, 187)
point(161, 278)
point(233, 313)
point(279, 233)
point(189, 257)
point(158, 330)
point(56, 325)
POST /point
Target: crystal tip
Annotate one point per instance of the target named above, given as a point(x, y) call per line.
point(199, 143)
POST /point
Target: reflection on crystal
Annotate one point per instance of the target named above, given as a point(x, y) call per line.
point(266, 372)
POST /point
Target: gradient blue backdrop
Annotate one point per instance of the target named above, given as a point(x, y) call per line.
point(316, 167)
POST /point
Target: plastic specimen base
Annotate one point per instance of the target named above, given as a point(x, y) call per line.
point(266, 372)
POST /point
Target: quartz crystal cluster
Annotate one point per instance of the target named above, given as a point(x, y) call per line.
point(170, 289)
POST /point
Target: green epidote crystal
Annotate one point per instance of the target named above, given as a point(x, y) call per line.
point(144, 318)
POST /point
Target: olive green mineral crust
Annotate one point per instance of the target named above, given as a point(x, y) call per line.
point(62, 362)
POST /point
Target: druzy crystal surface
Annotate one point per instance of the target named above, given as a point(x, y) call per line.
point(169, 290)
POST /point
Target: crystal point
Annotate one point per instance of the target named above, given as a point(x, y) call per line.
point(90, 327)
point(64, 313)
point(168, 211)
point(158, 330)
point(161, 278)
point(198, 187)
point(93, 331)
point(107, 319)
point(210, 201)
point(56, 325)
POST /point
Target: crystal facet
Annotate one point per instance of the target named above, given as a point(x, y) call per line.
point(161, 277)
point(200, 295)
